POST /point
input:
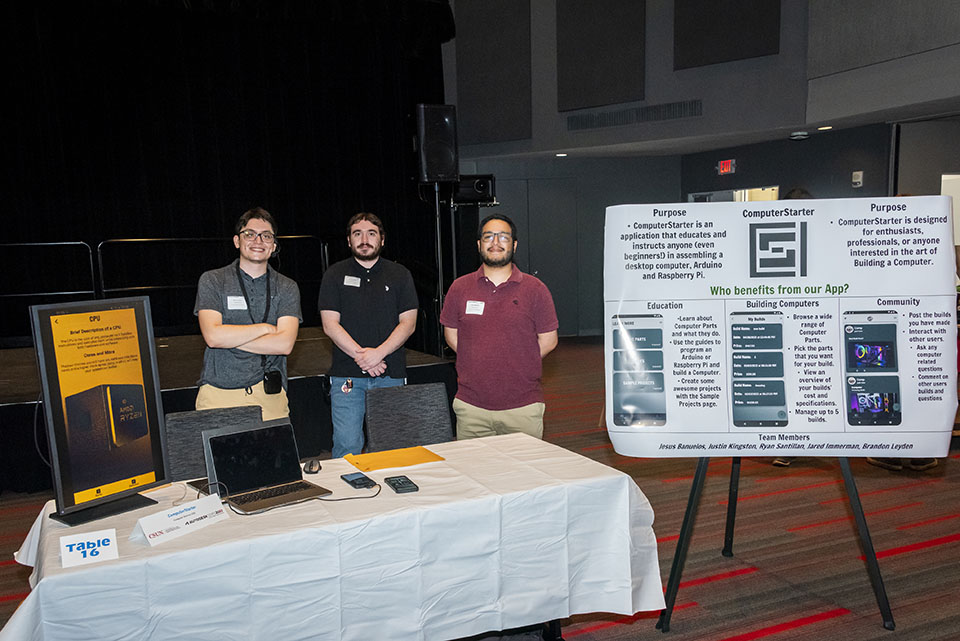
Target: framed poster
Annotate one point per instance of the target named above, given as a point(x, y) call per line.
point(823, 327)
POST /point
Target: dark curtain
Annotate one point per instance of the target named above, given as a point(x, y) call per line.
point(133, 119)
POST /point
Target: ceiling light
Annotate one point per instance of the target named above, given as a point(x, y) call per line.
point(561, 155)
point(825, 128)
point(799, 135)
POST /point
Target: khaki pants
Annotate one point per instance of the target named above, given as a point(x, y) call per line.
point(273, 405)
point(475, 422)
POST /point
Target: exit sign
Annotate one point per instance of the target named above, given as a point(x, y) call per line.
point(727, 167)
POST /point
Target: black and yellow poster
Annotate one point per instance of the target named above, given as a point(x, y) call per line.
point(101, 388)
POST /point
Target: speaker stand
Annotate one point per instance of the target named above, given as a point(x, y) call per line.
point(453, 241)
point(439, 297)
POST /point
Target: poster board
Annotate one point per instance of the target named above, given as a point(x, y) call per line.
point(797, 327)
point(101, 397)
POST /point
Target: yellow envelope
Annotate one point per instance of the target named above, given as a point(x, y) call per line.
point(403, 457)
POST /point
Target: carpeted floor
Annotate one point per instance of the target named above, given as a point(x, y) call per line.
point(796, 572)
point(17, 513)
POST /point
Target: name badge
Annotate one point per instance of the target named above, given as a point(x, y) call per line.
point(236, 302)
point(475, 307)
point(179, 520)
point(92, 547)
point(351, 281)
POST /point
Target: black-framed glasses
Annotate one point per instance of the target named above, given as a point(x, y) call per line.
point(502, 236)
point(249, 235)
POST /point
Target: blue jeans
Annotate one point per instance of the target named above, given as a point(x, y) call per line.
point(348, 408)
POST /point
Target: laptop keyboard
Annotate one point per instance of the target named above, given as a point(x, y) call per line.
point(270, 492)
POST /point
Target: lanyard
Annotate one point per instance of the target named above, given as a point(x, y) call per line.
point(266, 308)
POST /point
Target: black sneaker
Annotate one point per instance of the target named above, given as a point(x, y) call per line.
point(894, 464)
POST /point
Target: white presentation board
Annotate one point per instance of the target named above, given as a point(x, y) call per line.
point(794, 327)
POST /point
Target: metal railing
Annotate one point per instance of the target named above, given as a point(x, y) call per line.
point(20, 266)
point(162, 268)
point(40, 273)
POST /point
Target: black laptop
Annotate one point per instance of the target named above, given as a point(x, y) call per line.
point(256, 466)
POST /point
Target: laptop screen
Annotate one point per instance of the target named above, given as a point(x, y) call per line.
point(255, 458)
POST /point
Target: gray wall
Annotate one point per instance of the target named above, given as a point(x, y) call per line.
point(736, 96)
point(869, 56)
point(927, 150)
point(822, 165)
point(559, 207)
point(485, 111)
point(838, 59)
point(848, 34)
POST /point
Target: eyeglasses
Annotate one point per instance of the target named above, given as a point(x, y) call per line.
point(249, 235)
point(503, 237)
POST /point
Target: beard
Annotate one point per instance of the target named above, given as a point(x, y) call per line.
point(502, 261)
point(371, 256)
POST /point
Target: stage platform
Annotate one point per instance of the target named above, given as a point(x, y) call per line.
point(179, 360)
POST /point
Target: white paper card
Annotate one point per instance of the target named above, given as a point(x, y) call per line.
point(179, 520)
point(236, 302)
point(351, 281)
point(87, 548)
point(475, 307)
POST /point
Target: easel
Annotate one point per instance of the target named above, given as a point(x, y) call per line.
point(686, 529)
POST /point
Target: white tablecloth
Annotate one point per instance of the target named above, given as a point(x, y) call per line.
point(507, 531)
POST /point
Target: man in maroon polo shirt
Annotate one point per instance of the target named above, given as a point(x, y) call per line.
point(501, 323)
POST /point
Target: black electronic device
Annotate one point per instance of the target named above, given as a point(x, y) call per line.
point(255, 466)
point(476, 189)
point(102, 404)
point(758, 391)
point(437, 132)
point(358, 480)
point(312, 466)
point(401, 484)
point(272, 382)
point(870, 356)
point(639, 396)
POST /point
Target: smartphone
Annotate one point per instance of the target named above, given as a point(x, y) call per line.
point(758, 392)
point(873, 400)
point(401, 484)
point(870, 360)
point(870, 341)
point(639, 396)
point(359, 480)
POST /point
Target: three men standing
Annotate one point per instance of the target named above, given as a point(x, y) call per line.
point(368, 307)
point(501, 322)
point(249, 316)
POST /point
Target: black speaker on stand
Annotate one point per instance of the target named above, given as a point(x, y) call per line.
point(439, 163)
point(437, 132)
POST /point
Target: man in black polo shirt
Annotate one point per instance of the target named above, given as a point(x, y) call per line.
point(249, 316)
point(368, 306)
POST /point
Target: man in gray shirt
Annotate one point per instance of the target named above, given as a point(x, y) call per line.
point(249, 316)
